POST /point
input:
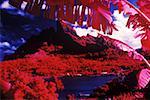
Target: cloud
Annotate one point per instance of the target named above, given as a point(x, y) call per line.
point(125, 34)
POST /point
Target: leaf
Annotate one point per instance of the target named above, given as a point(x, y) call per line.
point(81, 17)
point(126, 8)
point(4, 86)
point(61, 12)
point(69, 13)
point(144, 78)
point(101, 16)
point(96, 20)
point(52, 12)
point(89, 18)
point(16, 3)
point(144, 6)
point(146, 41)
point(120, 7)
point(141, 20)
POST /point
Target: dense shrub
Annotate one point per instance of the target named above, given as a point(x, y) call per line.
point(27, 75)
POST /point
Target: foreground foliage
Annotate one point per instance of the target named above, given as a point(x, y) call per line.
point(26, 75)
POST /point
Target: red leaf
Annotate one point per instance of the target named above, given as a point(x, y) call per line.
point(120, 7)
point(96, 20)
point(5, 86)
point(89, 18)
point(81, 17)
point(36, 9)
point(52, 12)
point(144, 78)
point(16, 3)
point(69, 13)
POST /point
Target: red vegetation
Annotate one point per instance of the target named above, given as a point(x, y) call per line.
point(27, 75)
point(42, 59)
point(24, 78)
point(126, 88)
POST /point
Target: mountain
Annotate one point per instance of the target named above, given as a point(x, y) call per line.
point(66, 37)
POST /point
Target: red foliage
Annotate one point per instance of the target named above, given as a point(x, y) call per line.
point(27, 75)
point(4, 86)
point(24, 84)
point(125, 96)
point(144, 6)
point(99, 11)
